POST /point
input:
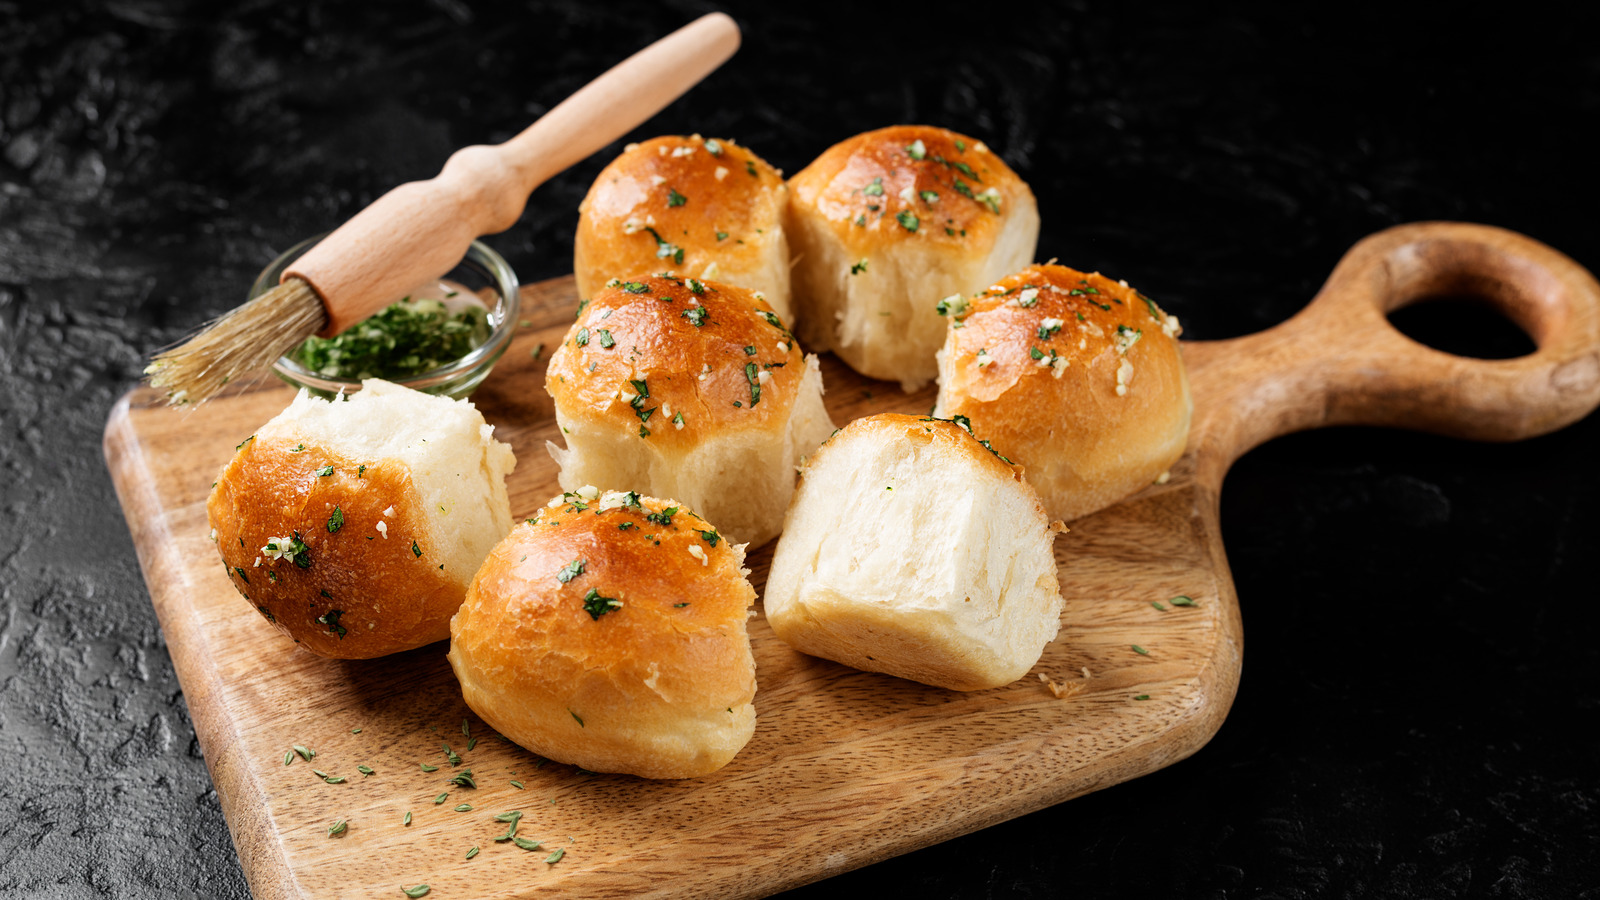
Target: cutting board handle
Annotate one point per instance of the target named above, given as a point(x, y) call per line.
point(1341, 362)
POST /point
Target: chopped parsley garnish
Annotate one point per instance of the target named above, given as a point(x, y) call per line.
point(605, 338)
point(749, 351)
point(750, 166)
point(917, 150)
point(953, 305)
point(675, 199)
point(875, 189)
point(583, 337)
point(415, 550)
point(571, 570)
point(695, 286)
point(240, 570)
point(964, 190)
point(336, 521)
point(635, 287)
point(712, 147)
point(1140, 650)
point(324, 471)
point(406, 338)
point(331, 619)
point(908, 220)
point(1181, 600)
point(696, 315)
point(1155, 313)
point(929, 197)
point(861, 220)
point(859, 267)
point(1034, 353)
point(1049, 327)
point(722, 235)
point(961, 146)
point(662, 518)
point(597, 606)
point(711, 537)
point(753, 376)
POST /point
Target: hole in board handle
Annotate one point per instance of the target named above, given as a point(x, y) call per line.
point(1463, 325)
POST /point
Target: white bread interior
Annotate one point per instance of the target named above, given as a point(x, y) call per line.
point(919, 557)
point(458, 469)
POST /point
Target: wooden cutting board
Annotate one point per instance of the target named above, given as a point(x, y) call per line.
point(846, 767)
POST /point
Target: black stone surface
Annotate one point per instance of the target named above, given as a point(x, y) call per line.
point(1419, 700)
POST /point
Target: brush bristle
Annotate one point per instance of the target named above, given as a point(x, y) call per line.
point(239, 343)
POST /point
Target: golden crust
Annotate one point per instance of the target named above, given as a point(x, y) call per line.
point(667, 190)
point(363, 593)
point(650, 324)
point(863, 187)
point(1076, 377)
point(658, 685)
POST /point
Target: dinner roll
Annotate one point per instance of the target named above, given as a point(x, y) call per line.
point(888, 222)
point(913, 549)
point(609, 632)
point(697, 206)
point(1076, 377)
point(355, 526)
point(687, 389)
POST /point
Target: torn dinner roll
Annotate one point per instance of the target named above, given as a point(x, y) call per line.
point(705, 207)
point(608, 632)
point(354, 526)
point(885, 224)
point(691, 389)
point(1076, 377)
point(913, 549)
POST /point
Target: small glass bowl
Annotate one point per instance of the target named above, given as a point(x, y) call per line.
point(480, 269)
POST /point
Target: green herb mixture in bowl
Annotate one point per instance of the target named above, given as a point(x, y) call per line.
point(443, 338)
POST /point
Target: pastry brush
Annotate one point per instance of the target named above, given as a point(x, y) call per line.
point(422, 228)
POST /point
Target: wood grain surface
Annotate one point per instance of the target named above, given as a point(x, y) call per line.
point(845, 767)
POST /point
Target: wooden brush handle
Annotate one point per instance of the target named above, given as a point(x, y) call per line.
point(1340, 362)
point(422, 229)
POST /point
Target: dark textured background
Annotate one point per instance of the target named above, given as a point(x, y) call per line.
point(1419, 691)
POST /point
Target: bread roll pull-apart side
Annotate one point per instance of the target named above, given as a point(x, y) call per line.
point(885, 224)
point(913, 549)
point(705, 207)
point(608, 632)
point(1076, 377)
point(690, 389)
point(354, 526)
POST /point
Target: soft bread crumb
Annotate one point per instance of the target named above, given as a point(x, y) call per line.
point(1060, 691)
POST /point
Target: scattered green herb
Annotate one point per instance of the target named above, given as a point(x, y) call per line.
point(571, 570)
point(597, 606)
point(338, 827)
point(675, 199)
point(908, 220)
point(1182, 600)
point(1140, 650)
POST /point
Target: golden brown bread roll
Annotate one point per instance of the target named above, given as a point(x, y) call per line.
point(913, 549)
point(1076, 377)
point(355, 526)
point(885, 224)
point(697, 206)
point(609, 632)
point(687, 389)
